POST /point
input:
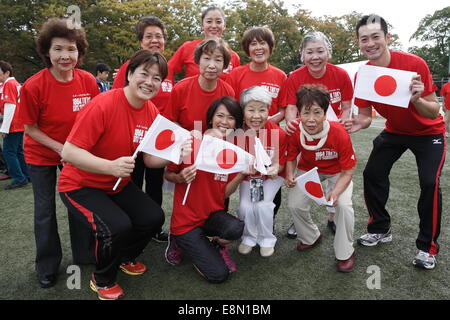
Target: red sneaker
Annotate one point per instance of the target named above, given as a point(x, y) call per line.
point(133, 268)
point(302, 246)
point(114, 292)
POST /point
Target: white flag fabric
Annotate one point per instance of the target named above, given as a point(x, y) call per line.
point(309, 184)
point(262, 159)
point(222, 157)
point(384, 85)
point(164, 139)
point(331, 115)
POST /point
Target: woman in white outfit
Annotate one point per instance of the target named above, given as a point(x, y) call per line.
point(257, 191)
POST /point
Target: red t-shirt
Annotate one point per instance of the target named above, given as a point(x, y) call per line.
point(206, 195)
point(10, 94)
point(162, 97)
point(109, 128)
point(184, 56)
point(53, 106)
point(272, 79)
point(408, 120)
point(274, 141)
point(336, 154)
point(335, 79)
point(189, 102)
point(445, 92)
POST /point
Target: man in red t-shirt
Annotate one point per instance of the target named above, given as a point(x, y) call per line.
point(12, 129)
point(419, 128)
point(445, 92)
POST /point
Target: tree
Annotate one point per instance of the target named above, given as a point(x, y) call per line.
point(435, 30)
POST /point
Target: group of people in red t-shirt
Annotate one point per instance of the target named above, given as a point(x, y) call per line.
point(91, 138)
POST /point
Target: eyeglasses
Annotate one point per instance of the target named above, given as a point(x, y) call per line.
point(150, 36)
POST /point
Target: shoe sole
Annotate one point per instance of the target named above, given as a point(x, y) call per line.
point(165, 255)
point(372, 244)
point(422, 266)
point(94, 288)
point(291, 236)
point(131, 273)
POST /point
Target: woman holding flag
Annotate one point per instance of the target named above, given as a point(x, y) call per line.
point(315, 51)
point(257, 191)
point(327, 146)
point(98, 151)
point(203, 215)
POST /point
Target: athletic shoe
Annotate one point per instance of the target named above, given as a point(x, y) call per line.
point(244, 249)
point(291, 233)
point(266, 251)
point(425, 260)
point(4, 176)
point(173, 253)
point(133, 268)
point(302, 246)
point(226, 257)
point(346, 265)
point(372, 239)
point(113, 292)
point(161, 237)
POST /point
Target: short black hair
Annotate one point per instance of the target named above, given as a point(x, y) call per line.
point(208, 46)
point(102, 67)
point(145, 57)
point(309, 94)
point(6, 66)
point(373, 18)
point(150, 21)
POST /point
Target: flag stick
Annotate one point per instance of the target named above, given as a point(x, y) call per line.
point(120, 179)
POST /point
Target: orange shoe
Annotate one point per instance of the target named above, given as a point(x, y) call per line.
point(133, 268)
point(114, 292)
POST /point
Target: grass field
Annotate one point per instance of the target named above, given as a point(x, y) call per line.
point(287, 275)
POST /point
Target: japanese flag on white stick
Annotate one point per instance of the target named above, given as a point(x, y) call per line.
point(331, 115)
point(163, 139)
point(309, 184)
point(384, 85)
point(219, 156)
point(262, 159)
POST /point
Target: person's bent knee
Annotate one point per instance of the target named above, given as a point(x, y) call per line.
point(217, 276)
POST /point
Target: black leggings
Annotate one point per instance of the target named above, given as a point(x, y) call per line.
point(123, 224)
point(203, 253)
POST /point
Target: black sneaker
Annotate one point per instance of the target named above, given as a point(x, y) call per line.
point(16, 185)
point(161, 237)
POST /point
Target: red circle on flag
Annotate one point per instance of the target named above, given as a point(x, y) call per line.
point(385, 85)
point(226, 159)
point(165, 139)
point(314, 188)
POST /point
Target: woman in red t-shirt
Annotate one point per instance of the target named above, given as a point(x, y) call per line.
point(98, 151)
point(257, 191)
point(327, 146)
point(213, 25)
point(258, 43)
point(49, 102)
point(204, 214)
point(152, 36)
point(191, 97)
point(315, 51)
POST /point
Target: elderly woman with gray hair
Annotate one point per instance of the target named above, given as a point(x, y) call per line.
point(315, 51)
point(257, 191)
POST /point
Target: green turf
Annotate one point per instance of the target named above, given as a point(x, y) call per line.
point(288, 274)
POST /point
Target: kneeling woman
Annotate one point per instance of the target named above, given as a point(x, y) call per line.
point(327, 146)
point(108, 128)
point(203, 214)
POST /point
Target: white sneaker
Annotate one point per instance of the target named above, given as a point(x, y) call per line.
point(266, 252)
point(424, 260)
point(244, 249)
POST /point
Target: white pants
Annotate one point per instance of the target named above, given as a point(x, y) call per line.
point(258, 216)
point(307, 231)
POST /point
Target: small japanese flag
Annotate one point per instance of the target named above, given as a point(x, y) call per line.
point(309, 184)
point(384, 85)
point(262, 159)
point(164, 139)
point(222, 157)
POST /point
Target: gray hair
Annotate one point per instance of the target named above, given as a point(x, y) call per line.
point(316, 36)
point(255, 93)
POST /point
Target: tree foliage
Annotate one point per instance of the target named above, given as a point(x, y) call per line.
point(110, 28)
point(435, 30)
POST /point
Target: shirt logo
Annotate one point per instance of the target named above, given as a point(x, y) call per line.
point(335, 96)
point(79, 101)
point(437, 141)
point(326, 155)
point(272, 89)
point(221, 177)
point(166, 86)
